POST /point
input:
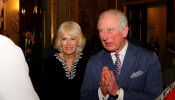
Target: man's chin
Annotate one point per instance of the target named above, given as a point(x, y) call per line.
point(110, 49)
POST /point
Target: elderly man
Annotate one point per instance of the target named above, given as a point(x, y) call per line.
point(123, 71)
point(15, 83)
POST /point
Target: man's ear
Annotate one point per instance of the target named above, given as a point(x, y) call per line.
point(125, 31)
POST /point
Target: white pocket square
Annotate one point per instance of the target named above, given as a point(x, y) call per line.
point(137, 74)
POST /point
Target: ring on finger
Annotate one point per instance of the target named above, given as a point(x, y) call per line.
point(107, 84)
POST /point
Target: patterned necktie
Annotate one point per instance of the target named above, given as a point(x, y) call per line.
point(118, 64)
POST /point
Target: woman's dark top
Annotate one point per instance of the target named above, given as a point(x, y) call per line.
point(58, 82)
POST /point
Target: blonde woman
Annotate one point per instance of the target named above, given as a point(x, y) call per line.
point(63, 73)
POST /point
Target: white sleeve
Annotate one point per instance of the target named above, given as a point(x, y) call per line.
point(100, 95)
point(121, 94)
point(15, 83)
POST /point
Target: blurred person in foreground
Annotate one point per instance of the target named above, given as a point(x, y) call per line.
point(123, 71)
point(64, 72)
point(15, 83)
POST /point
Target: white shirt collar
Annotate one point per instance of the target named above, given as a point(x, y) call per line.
point(121, 53)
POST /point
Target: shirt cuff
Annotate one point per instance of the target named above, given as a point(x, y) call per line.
point(100, 95)
point(121, 94)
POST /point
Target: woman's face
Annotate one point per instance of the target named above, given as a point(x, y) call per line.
point(69, 44)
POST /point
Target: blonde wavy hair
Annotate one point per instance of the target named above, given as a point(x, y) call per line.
point(72, 29)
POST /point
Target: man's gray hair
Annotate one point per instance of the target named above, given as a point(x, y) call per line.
point(122, 22)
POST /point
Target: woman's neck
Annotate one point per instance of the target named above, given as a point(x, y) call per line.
point(69, 57)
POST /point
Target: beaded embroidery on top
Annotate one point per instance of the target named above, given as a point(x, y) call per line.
point(70, 74)
point(167, 90)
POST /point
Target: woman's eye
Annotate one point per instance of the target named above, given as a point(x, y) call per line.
point(72, 38)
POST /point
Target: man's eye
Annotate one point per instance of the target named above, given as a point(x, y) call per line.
point(101, 31)
point(63, 38)
point(109, 30)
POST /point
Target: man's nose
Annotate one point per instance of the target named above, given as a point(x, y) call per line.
point(105, 36)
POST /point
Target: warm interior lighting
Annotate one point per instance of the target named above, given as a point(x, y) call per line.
point(23, 11)
point(35, 10)
point(16, 5)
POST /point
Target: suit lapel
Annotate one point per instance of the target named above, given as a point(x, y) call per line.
point(129, 60)
point(107, 61)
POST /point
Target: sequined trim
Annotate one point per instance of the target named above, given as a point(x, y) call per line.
point(167, 90)
point(69, 74)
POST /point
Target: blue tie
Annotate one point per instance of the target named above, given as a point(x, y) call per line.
point(118, 64)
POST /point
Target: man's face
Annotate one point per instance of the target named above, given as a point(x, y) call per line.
point(1, 7)
point(111, 37)
point(28, 35)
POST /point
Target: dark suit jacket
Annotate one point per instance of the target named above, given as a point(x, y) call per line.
point(140, 76)
point(22, 45)
point(34, 63)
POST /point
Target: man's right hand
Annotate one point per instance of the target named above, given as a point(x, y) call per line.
point(102, 82)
